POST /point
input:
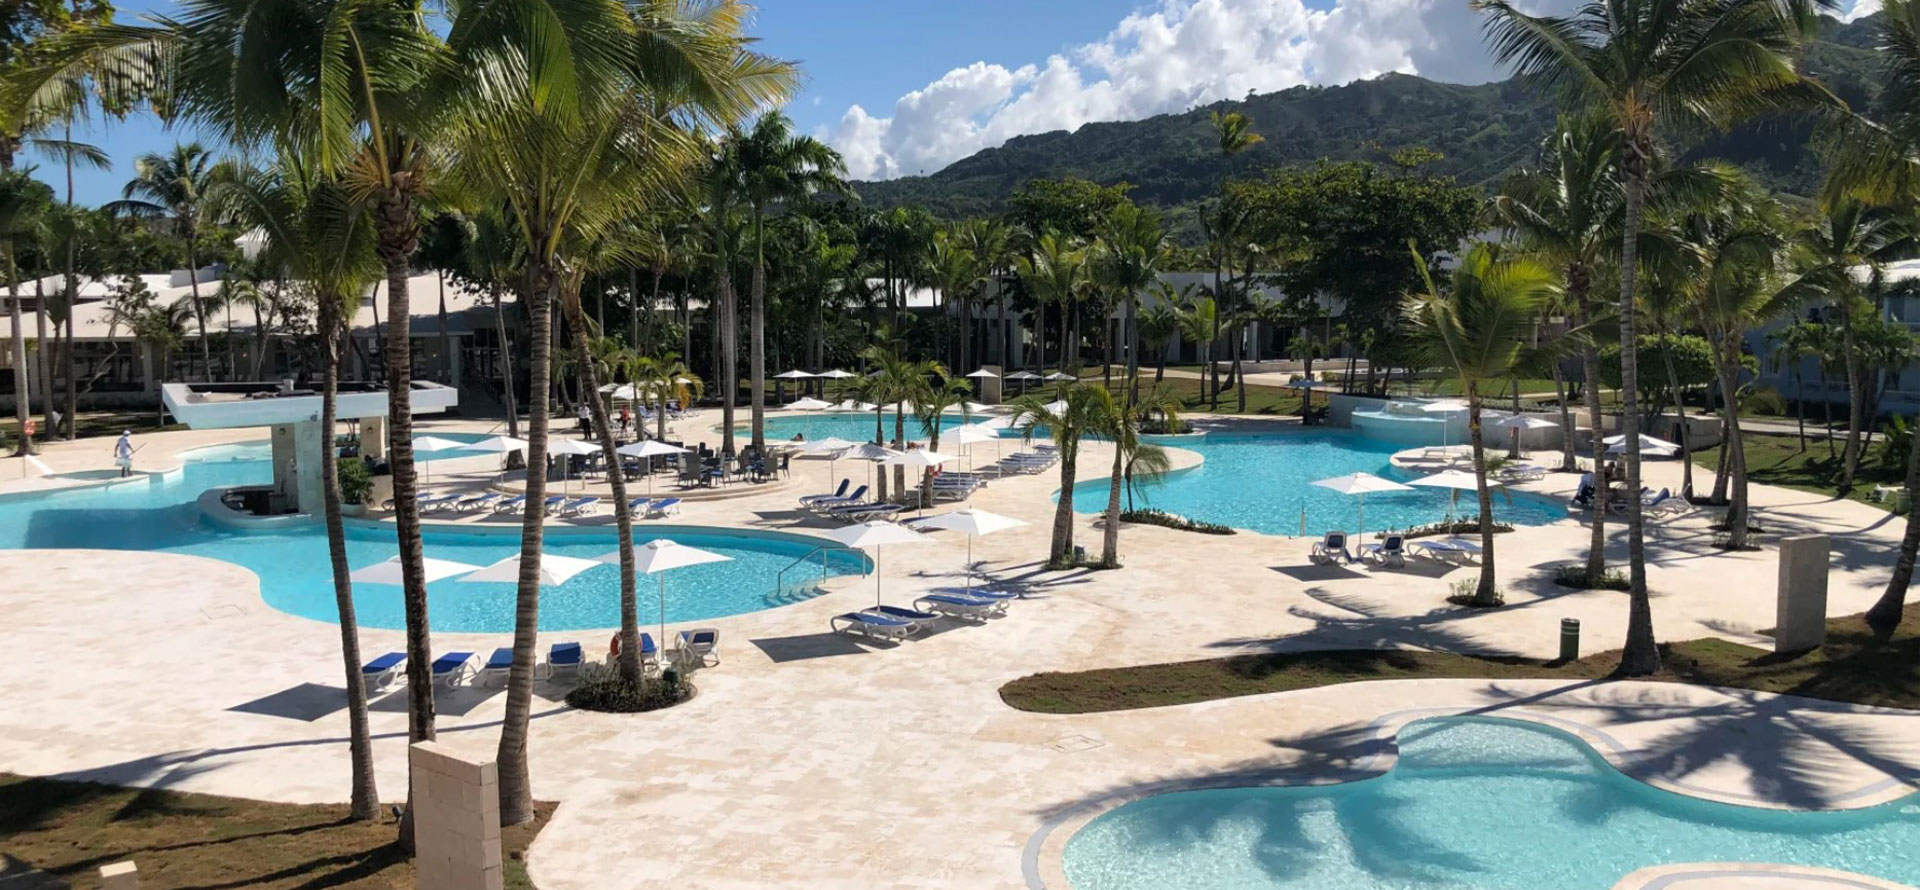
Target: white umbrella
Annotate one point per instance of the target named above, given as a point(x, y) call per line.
point(388, 572)
point(831, 446)
point(870, 452)
point(660, 555)
point(1056, 406)
point(570, 448)
point(794, 375)
point(646, 449)
point(968, 434)
point(984, 374)
point(918, 457)
point(501, 445)
point(967, 407)
point(870, 536)
point(835, 374)
point(1457, 481)
point(971, 523)
point(1023, 375)
point(852, 405)
point(1520, 423)
point(1360, 485)
point(430, 444)
point(1059, 375)
point(1617, 444)
point(554, 569)
point(1444, 406)
point(625, 392)
point(809, 404)
point(999, 422)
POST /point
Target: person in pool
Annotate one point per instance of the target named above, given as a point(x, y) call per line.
point(123, 453)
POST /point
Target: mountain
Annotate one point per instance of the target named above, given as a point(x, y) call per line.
point(1481, 132)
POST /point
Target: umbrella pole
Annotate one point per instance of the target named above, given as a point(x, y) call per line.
point(969, 563)
point(1363, 518)
point(663, 612)
point(876, 576)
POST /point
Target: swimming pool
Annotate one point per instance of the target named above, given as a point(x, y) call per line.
point(1263, 481)
point(1472, 804)
point(160, 514)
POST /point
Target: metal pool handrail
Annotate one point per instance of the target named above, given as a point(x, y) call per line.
point(825, 554)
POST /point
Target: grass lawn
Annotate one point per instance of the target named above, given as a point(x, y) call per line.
point(70, 829)
point(1847, 669)
point(1263, 400)
point(1778, 460)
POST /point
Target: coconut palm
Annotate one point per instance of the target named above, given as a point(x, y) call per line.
point(24, 205)
point(942, 393)
point(1641, 64)
point(900, 382)
point(954, 270)
point(1057, 273)
point(665, 378)
point(173, 187)
point(1131, 453)
point(1080, 410)
point(314, 228)
point(1200, 323)
point(990, 242)
point(1478, 327)
point(1160, 323)
point(1133, 250)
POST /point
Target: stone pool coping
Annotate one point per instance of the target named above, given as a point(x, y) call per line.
point(1043, 857)
point(1748, 876)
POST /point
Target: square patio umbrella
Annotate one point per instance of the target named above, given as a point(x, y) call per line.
point(662, 555)
point(872, 453)
point(1445, 406)
point(968, 434)
point(1455, 480)
point(1617, 444)
point(570, 448)
point(833, 447)
point(809, 404)
point(795, 374)
point(554, 570)
point(1360, 485)
point(646, 450)
point(984, 374)
point(501, 445)
point(431, 444)
point(871, 536)
point(388, 571)
point(1520, 423)
point(972, 523)
point(919, 459)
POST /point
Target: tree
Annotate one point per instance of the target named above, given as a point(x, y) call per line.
point(955, 270)
point(1478, 327)
point(313, 226)
point(942, 393)
point(1055, 273)
point(1121, 422)
point(1160, 323)
point(1200, 322)
point(775, 166)
point(172, 187)
point(1077, 412)
point(988, 240)
point(1700, 64)
point(1133, 246)
point(24, 204)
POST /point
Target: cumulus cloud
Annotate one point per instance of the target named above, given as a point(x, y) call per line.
point(1161, 59)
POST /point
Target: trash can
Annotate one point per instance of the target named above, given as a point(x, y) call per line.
point(1569, 639)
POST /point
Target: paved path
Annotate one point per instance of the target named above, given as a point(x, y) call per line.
point(808, 760)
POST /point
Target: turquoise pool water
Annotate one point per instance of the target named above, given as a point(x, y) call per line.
point(1473, 804)
point(295, 576)
point(1263, 482)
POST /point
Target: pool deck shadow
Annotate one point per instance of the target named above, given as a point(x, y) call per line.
point(306, 702)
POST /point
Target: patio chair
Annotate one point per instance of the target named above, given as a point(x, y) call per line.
point(511, 503)
point(960, 606)
point(700, 646)
point(821, 505)
point(1390, 551)
point(921, 619)
point(452, 668)
point(810, 499)
point(864, 512)
point(498, 666)
point(664, 507)
point(870, 625)
point(568, 657)
point(379, 673)
point(553, 503)
point(483, 501)
point(1331, 549)
point(578, 506)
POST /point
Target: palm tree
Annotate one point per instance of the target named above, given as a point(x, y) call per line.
point(1160, 323)
point(775, 165)
point(172, 186)
point(1200, 323)
point(941, 393)
point(1693, 63)
point(666, 378)
point(1134, 247)
point(1079, 413)
point(24, 204)
point(1479, 328)
point(313, 226)
point(955, 270)
point(1122, 420)
point(901, 382)
point(1793, 345)
point(1055, 273)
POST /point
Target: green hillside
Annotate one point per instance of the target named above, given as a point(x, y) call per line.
point(1482, 132)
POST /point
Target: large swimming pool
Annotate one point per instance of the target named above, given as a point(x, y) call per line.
point(296, 577)
point(1263, 482)
point(1472, 804)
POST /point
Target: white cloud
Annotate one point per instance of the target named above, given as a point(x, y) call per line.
point(1860, 10)
point(1162, 59)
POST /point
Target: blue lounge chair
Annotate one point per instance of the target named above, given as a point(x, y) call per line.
point(578, 506)
point(978, 593)
point(379, 673)
point(824, 503)
point(480, 501)
point(554, 502)
point(565, 657)
point(1448, 549)
point(664, 507)
point(921, 619)
point(702, 645)
point(1331, 549)
point(960, 606)
point(512, 503)
point(639, 505)
point(1392, 551)
point(498, 666)
point(452, 667)
point(808, 500)
point(864, 512)
point(871, 625)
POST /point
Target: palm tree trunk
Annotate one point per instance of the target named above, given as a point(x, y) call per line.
point(1800, 405)
point(516, 788)
point(446, 336)
point(1485, 594)
point(1856, 397)
point(22, 399)
point(1130, 318)
point(1006, 337)
point(900, 436)
point(1567, 464)
point(1680, 412)
point(1060, 554)
point(1110, 536)
point(1579, 282)
point(506, 362)
point(365, 794)
point(729, 359)
point(1736, 453)
point(1884, 617)
point(1641, 655)
point(757, 340)
point(45, 374)
point(622, 512)
point(199, 311)
point(1239, 385)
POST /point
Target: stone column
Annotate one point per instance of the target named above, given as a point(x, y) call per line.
point(456, 820)
point(1800, 613)
point(296, 466)
point(373, 438)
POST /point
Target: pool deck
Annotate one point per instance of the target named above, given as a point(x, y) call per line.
point(809, 760)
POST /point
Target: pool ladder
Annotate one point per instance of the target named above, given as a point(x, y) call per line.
point(804, 584)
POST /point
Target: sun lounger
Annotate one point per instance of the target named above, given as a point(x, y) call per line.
point(819, 504)
point(482, 501)
point(811, 499)
point(498, 666)
point(1521, 473)
point(452, 668)
point(554, 503)
point(1331, 550)
point(979, 593)
point(865, 512)
point(664, 507)
point(921, 619)
point(512, 503)
point(567, 657)
point(578, 507)
point(1392, 551)
point(960, 606)
point(867, 624)
point(379, 673)
point(700, 645)
point(438, 502)
point(1450, 549)
point(639, 505)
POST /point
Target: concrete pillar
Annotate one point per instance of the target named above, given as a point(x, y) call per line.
point(456, 820)
point(296, 466)
point(1800, 613)
point(150, 363)
point(119, 876)
point(373, 438)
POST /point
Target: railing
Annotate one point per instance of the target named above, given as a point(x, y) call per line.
point(796, 582)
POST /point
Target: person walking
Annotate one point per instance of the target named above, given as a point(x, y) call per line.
point(123, 453)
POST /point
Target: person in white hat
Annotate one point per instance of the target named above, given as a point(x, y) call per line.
point(123, 453)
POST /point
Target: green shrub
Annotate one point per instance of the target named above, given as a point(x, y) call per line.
point(613, 695)
point(1464, 591)
point(1464, 526)
point(1169, 520)
point(1574, 575)
point(356, 481)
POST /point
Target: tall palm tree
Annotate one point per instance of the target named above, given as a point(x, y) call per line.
point(1159, 324)
point(1641, 63)
point(1478, 327)
point(1121, 427)
point(314, 227)
point(989, 241)
point(1076, 413)
point(955, 270)
point(1133, 250)
point(1200, 323)
point(903, 383)
point(1055, 273)
point(942, 393)
point(776, 165)
point(24, 205)
point(666, 378)
point(173, 186)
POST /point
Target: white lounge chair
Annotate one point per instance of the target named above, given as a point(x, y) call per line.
point(1331, 549)
point(1390, 551)
point(700, 646)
